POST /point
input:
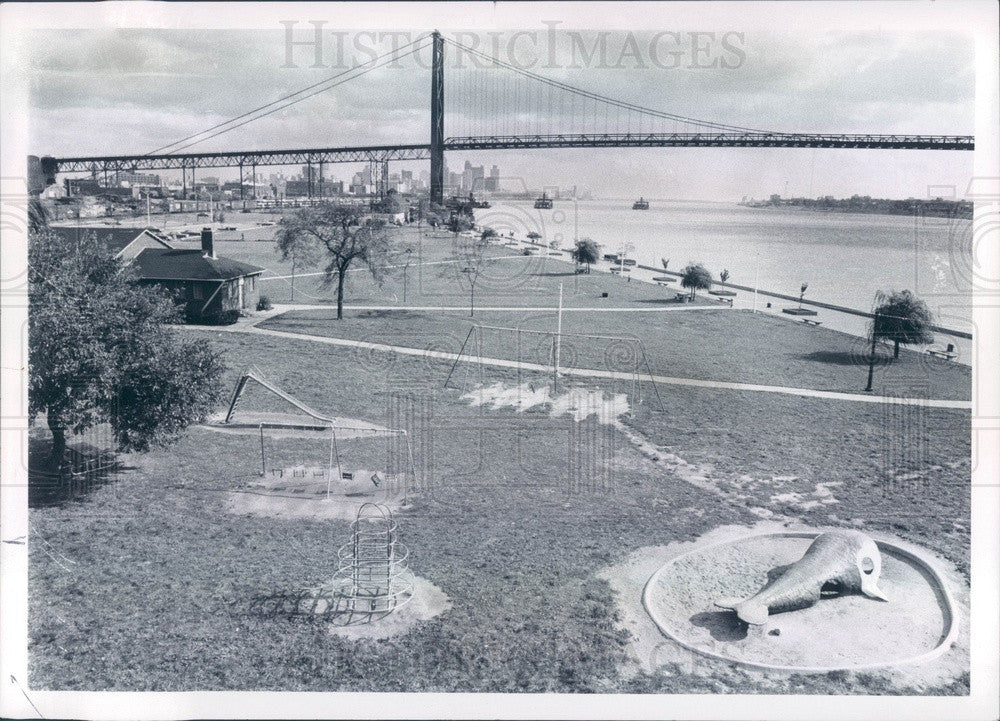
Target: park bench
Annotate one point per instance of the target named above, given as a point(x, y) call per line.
point(946, 354)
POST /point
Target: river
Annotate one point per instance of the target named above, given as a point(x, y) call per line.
point(845, 258)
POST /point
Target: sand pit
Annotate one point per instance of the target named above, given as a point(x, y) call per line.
point(667, 593)
point(301, 492)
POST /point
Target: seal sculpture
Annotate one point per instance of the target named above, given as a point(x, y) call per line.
point(847, 560)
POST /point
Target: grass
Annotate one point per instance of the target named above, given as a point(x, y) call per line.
point(712, 344)
point(757, 348)
point(146, 583)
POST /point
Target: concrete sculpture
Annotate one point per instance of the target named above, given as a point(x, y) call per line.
point(848, 561)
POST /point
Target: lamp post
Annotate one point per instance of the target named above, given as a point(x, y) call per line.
point(473, 275)
point(626, 247)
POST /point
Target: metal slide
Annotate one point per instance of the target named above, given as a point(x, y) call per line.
point(253, 373)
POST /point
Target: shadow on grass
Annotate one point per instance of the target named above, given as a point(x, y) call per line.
point(843, 358)
point(49, 485)
point(555, 274)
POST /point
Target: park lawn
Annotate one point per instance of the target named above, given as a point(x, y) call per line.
point(147, 583)
point(713, 344)
point(434, 277)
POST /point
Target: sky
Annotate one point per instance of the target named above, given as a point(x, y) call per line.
point(104, 92)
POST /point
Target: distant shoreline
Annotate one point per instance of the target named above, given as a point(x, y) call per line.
point(925, 212)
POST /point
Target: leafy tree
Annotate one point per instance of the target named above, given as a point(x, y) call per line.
point(802, 292)
point(695, 277)
point(389, 204)
point(901, 317)
point(724, 275)
point(343, 236)
point(100, 350)
point(435, 215)
point(665, 263)
point(534, 237)
point(459, 222)
point(38, 216)
point(586, 252)
point(488, 233)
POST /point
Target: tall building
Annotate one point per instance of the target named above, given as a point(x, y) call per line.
point(472, 178)
point(493, 182)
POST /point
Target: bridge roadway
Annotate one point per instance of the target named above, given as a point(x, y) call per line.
point(422, 151)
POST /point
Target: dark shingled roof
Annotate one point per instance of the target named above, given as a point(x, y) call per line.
point(116, 239)
point(173, 264)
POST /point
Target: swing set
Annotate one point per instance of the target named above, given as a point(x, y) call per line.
point(283, 425)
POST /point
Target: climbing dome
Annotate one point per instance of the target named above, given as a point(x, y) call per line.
point(373, 579)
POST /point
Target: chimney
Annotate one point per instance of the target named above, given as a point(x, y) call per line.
point(207, 246)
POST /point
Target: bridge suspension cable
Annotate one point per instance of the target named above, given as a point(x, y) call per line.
point(590, 101)
point(355, 73)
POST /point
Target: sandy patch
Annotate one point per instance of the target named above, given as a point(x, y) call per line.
point(301, 492)
point(821, 496)
point(426, 602)
point(324, 604)
point(651, 649)
point(579, 403)
point(297, 425)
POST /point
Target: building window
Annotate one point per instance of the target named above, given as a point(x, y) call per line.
point(253, 282)
point(196, 292)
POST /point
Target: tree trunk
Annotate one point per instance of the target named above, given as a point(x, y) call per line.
point(895, 351)
point(340, 293)
point(58, 442)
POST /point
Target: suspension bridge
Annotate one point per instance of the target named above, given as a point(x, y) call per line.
point(494, 106)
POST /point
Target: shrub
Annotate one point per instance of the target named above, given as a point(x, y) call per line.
point(264, 303)
point(223, 317)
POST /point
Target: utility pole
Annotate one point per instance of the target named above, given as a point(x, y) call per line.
point(473, 275)
point(437, 120)
point(555, 375)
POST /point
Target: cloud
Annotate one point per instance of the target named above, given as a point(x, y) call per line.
point(130, 91)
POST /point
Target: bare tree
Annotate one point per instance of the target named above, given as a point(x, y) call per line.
point(343, 236)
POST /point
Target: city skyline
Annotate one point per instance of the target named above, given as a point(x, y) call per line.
point(837, 82)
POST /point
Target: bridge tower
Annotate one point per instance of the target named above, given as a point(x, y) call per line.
point(437, 120)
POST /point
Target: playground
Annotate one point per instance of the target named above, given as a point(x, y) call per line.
point(513, 516)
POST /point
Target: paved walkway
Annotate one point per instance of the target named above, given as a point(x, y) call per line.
point(284, 308)
point(593, 373)
point(412, 265)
